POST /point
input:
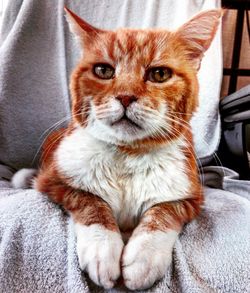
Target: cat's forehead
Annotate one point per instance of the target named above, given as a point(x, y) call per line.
point(133, 43)
point(139, 38)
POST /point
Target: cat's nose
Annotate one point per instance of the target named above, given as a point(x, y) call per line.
point(126, 100)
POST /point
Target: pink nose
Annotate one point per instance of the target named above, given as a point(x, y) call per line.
point(126, 100)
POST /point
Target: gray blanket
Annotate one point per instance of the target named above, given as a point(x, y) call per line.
point(37, 244)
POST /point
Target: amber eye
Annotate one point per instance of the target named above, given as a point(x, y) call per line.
point(159, 74)
point(104, 71)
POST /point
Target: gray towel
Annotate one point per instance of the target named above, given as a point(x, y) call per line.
point(37, 244)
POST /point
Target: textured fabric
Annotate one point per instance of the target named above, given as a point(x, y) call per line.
point(37, 54)
point(37, 244)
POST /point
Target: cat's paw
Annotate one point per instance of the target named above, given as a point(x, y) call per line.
point(99, 252)
point(146, 258)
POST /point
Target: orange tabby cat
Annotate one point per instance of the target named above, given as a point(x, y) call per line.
point(126, 164)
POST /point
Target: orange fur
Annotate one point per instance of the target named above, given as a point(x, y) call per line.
point(85, 208)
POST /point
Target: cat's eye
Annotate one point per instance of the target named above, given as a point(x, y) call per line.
point(104, 71)
point(158, 74)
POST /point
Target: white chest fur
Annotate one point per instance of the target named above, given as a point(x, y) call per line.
point(129, 184)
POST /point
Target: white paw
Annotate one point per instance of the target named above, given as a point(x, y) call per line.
point(23, 178)
point(99, 252)
point(146, 258)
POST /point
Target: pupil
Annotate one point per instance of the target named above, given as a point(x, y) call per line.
point(161, 73)
point(103, 70)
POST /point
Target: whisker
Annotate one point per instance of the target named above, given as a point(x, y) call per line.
point(48, 131)
point(177, 134)
point(55, 125)
point(50, 146)
point(103, 106)
point(159, 132)
point(183, 123)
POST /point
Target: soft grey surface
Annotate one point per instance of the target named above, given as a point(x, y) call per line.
point(37, 54)
point(37, 248)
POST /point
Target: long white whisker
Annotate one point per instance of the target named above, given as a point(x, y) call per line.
point(184, 124)
point(177, 133)
point(55, 125)
point(159, 132)
point(48, 131)
point(181, 122)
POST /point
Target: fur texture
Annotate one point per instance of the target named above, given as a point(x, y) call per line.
point(126, 164)
point(99, 251)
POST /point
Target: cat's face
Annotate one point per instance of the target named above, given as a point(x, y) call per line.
point(134, 85)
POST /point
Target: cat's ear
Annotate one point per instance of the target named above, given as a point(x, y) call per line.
point(79, 27)
point(199, 32)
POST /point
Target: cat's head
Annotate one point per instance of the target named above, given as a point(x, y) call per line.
point(133, 85)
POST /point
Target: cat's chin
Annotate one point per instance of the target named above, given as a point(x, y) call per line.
point(122, 132)
point(127, 125)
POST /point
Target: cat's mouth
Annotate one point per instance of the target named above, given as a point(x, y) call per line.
point(126, 122)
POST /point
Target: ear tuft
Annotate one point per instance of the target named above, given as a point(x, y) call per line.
point(78, 26)
point(199, 32)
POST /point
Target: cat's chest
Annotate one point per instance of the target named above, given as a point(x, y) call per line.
point(129, 184)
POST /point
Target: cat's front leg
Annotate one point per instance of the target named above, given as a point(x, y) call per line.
point(146, 258)
point(99, 242)
point(148, 253)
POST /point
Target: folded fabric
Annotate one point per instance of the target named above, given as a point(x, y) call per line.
point(37, 244)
